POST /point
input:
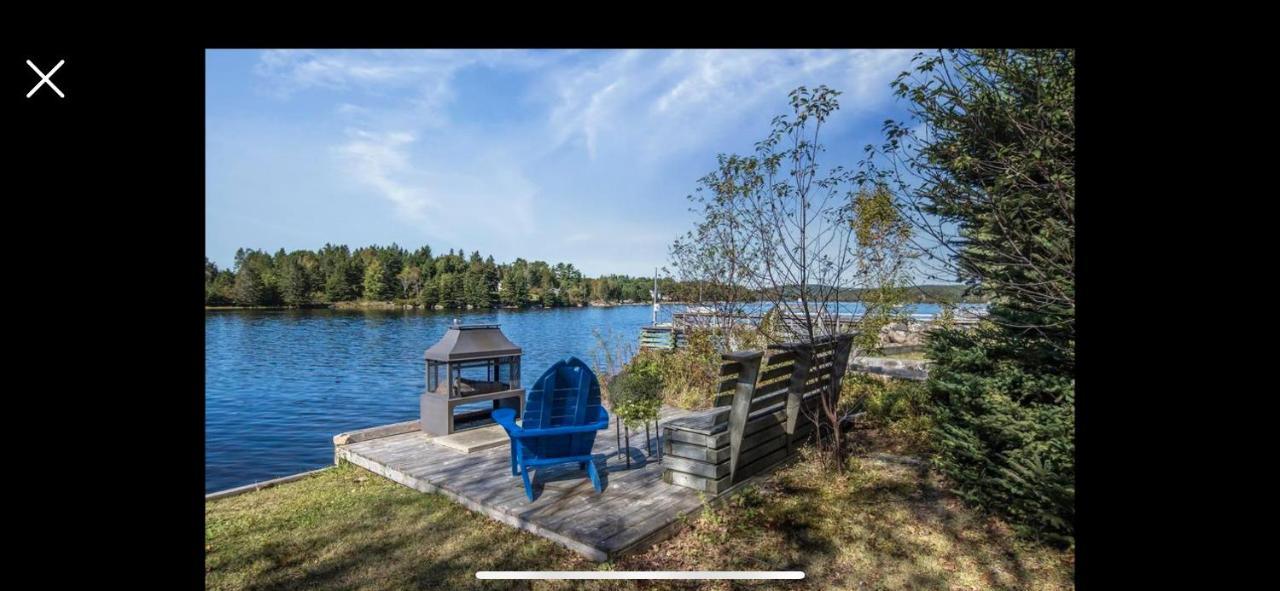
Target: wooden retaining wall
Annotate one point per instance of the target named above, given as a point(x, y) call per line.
point(662, 337)
point(760, 415)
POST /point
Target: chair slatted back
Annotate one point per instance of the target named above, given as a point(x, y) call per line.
point(568, 393)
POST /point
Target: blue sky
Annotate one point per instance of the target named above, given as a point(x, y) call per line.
point(583, 156)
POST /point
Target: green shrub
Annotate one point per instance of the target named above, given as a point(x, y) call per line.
point(895, 400)
point(1006, 430)
point(900, 407)
point(636, 393)
point(689, 374)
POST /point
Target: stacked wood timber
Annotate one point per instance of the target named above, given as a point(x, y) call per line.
point(662, 337)
point(761, 413)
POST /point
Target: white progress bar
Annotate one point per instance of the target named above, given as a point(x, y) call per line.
point(638, 574)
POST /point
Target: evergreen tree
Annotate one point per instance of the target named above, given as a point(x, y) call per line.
point(429, 296)
point(294, 290)
point(313, 278)
point(419, 257)
point(256, 281)
point(475, 284)
point(249, 289)
point(337, 285)
point(222, 290)
point(335, 271)
point(355, 278)
point(393, 261)
point(456, 290)
point(210, 274)
point(541, 280)
point(997, 167)
point(515, 289)
point(491, 276)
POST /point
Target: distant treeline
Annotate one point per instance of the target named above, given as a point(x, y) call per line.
point(942, 294)
point(920, 294)
point(452, 280)
point(391, 273)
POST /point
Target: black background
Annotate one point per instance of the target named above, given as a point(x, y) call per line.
point(105, 205)
point(105, 202)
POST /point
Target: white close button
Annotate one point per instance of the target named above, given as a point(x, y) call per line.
point(45, 79)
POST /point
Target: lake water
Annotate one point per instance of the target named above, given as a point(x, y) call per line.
point(280, 384)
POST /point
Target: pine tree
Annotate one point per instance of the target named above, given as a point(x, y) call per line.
point(256, 279)
point(456, 288)
point(337, 286)
point(249, 290)
point(222, 290)
point(515, 290)
point(293, 282)
point(429, 296)
point(210, 274)
point(997, 164)
point(476, 284)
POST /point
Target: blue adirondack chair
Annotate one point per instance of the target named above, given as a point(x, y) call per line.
point(562, 413)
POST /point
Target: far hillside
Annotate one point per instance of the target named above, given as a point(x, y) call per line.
point(919, 294)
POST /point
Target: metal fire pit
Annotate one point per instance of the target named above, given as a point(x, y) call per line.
point(472, 363)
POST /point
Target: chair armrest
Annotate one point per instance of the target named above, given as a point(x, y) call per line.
point(507, 421)
point(507, 418)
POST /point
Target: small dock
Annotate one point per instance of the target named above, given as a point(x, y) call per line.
point(636, 509)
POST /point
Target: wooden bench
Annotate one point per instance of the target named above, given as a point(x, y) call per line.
point(760, 415)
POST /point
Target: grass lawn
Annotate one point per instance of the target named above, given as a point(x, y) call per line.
point(886, 524)
point(346, 528)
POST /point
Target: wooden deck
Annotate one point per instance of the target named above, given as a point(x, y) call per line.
point(635, 510)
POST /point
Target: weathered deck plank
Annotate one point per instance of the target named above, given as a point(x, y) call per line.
point(635, 507)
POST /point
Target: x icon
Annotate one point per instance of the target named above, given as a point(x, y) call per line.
point(44, 79)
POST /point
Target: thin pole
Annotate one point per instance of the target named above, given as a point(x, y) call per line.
point(648, 450)
point(655, 296)
point(658, 435)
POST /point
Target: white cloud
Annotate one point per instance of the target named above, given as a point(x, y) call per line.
point(350, 109)
point(380, 161)
point(446, 199)
point(289, 71)
point(649, 102)
point(656, 103)
point(397, 103)
point(417, 83)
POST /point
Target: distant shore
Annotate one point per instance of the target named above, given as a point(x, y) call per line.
point(363, 305)
point(359, 305)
